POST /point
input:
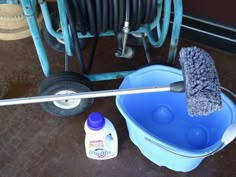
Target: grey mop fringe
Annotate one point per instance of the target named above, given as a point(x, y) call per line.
point(201, 82)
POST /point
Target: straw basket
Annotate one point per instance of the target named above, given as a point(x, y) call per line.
point(13, 24)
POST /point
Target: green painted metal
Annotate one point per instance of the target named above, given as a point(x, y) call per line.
point(161, 30)
point(108, 76)
point(160, 25)
point(178, 13)
point(65, 27)
point(27, 6)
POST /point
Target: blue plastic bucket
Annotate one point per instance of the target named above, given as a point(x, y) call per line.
point(159, 125)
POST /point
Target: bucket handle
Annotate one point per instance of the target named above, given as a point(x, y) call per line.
point(228, 136)
point(181, 155)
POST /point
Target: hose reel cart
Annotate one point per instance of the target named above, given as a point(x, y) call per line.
point(81, 19)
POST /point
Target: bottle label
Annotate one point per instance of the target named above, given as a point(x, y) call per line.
point(97, 150)
point(95, 144)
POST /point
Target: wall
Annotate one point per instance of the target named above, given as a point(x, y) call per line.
point(223, 12)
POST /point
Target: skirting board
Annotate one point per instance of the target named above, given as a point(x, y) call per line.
point(209, 33)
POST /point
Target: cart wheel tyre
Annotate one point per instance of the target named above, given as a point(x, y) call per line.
point(54, 43)
point(66, 83)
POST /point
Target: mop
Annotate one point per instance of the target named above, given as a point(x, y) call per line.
point(201, 85)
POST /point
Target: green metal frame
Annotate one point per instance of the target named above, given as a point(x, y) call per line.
point(161, 24)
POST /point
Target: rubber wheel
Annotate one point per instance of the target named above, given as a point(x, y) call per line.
point(66, 83)
point(54, 43)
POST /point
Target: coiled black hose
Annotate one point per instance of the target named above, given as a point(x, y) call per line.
point(96, 16)
point(153, 11)
point(78, 17)
point(134, 14)
point(84, 14)
point(104, 15)
point(91, 17)
point(110, 14)
point(71, 19)
point(121, 14)
point(116, 15)
point(99, 15)
point(147, 11)
point(139, 15)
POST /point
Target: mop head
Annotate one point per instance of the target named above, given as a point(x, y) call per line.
point(202, 85)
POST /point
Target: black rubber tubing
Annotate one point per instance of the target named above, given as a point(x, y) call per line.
point(115, 16)
point(139, 15)
point(78, 16)
point(110, 14)
point(121, 14)
point(143, 9)
point(99, 15)
point(104, 15)
point(99, 18)
point(82, 11)
point(92, 53)
point(134, 13)
point(153, 11)
point(147, 11)
point(91, 17)
point(84, 14)
point(75, 37)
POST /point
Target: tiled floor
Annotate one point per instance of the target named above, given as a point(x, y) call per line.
point(34, 143)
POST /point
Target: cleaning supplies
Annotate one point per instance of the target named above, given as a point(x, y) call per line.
point(202, 84)
point(101, 140)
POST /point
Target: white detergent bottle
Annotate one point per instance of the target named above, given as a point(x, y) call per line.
point(101, 140)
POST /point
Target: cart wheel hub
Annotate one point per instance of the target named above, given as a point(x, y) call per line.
point(67, 104)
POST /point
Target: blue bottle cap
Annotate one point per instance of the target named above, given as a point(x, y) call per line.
point(95, 121)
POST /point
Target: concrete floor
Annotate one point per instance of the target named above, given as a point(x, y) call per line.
point(34, 143)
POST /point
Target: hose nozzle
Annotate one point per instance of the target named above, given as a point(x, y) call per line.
point(125, 36)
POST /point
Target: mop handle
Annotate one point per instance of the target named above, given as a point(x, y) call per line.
point(173, 87)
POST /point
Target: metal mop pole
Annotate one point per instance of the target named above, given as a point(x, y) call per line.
point(174, 87)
